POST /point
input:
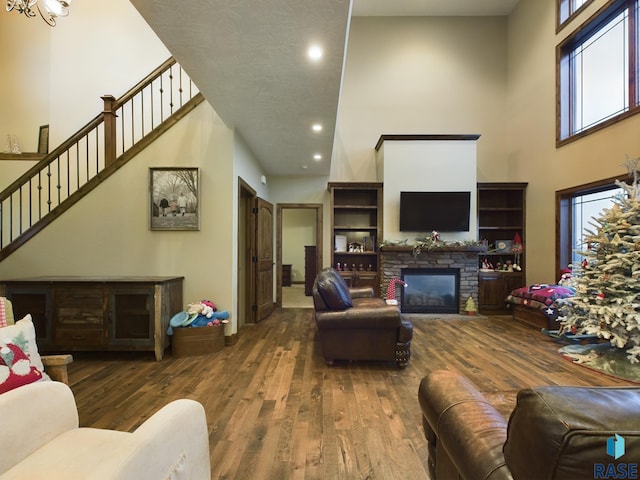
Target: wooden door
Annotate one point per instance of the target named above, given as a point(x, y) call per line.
point(264, 259)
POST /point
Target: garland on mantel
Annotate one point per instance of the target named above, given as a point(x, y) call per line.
point(432, 242)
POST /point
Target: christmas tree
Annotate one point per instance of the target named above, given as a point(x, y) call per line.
point(607, 299)
point(470, 307)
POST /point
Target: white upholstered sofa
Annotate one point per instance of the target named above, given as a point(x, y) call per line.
point(41, 439)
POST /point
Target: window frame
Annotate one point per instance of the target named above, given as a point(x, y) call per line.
point(564, 104)
point(564, 217)
point(560, 24)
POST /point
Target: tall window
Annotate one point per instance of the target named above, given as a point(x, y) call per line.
point(576, 207)
point(568, 8)
point(583, 209)
point(597, 66)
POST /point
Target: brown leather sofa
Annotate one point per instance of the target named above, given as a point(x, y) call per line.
point(554, 432)
point(353, 325)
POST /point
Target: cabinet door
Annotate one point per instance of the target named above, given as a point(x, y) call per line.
point(79, 313)
point(490, 292)
point(513, 281)
point(367, 279)
point(35, 301)
point(131, 316)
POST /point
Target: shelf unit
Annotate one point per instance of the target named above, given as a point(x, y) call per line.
point(501, 214)
point(356, 217)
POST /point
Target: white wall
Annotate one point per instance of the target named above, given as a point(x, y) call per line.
point(427, 165)
point(298, 230)
point(24, 82)
point(115, 45)
point(422, 75)
point(92, 52)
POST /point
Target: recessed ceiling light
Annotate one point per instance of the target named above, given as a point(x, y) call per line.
point(316, 127)
point(317, 157)
point(314, 52)
point(303, 167)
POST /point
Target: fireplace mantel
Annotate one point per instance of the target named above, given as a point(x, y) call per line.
point(439, 248)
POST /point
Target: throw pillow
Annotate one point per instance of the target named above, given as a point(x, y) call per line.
point(26, 328)
point(15, 368)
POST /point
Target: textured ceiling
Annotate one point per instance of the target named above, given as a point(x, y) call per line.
point(248, 58)
point(400, 8)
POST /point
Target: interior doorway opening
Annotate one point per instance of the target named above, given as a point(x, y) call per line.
point(298, 252)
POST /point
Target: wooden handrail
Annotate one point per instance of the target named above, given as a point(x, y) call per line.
point(90, 155)
point(144, 82)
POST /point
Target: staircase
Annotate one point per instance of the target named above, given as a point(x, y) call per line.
point(81, 163)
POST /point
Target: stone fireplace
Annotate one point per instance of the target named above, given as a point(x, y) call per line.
point(463, 260)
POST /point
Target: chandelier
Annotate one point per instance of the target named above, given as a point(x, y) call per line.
point(49, 10)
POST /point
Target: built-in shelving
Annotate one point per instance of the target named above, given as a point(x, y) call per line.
point(501, 215)
point(356, 224)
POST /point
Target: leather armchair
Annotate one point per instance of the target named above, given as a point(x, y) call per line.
point(554, 432)
point(353, 325)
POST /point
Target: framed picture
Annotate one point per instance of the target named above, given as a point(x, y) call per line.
point(341, 243)
point(503, 246)
point(174, 198)
point(369, 244)
point(43, 139)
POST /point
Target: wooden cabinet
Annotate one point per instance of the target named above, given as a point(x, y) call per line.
point(310, 268)
point(77, 313)
point(356, 230)
point(286, 275)
point(501, 215)
point(493, 288)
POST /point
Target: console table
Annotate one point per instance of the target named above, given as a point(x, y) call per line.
point(94, 313)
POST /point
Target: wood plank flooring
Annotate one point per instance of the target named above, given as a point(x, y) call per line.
point(276, 411)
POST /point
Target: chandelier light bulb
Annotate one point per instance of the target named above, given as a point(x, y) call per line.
point(49, 10)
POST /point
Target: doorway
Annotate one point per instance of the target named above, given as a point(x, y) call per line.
point(298, 236)
point(246, 251)
point(255, 256)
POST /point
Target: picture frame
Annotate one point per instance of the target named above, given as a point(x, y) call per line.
point(341, 243)
point(369, 244)
point(174, 198)
point(43, 139)
point(503, 246)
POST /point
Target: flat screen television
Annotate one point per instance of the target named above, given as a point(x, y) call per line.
point(440, 211)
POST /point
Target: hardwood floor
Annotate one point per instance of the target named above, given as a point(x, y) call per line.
point(276, 411)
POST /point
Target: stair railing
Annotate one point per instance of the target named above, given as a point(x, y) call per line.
point(99, 148)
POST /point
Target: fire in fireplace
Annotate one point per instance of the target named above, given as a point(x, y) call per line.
point(431, 290)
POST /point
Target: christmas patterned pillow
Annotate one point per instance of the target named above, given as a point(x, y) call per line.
point(26, 330)
point(16, 369)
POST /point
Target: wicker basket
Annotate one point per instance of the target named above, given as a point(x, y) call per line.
point(191, 341)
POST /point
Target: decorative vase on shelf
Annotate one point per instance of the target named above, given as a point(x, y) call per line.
point(15, 147)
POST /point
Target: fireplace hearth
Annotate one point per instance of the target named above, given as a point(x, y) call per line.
point(431, 290)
